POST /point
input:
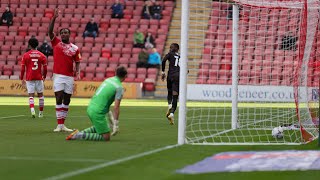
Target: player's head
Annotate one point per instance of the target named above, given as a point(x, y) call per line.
point(65, 35)
point(33, 43)
point(121, 72)
point(174, 47)
point(7, 8)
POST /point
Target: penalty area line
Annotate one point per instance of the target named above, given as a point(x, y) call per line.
point(8, 117)
point(106, 164)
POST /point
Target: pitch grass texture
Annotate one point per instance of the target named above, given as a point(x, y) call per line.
point(30, 150)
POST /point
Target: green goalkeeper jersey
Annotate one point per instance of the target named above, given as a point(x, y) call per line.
point(108, 91)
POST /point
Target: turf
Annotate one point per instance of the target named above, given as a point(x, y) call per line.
point(30, 150)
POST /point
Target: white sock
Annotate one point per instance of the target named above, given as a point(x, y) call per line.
point(169, 106)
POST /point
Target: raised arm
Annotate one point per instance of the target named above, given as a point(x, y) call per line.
point(51, 26)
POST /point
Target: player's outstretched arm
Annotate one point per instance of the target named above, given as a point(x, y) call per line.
point(51, 26)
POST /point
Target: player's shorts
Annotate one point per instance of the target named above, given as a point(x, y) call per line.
point(173, 82)
point(35, 86)
point(63, 83)
point(99, 121)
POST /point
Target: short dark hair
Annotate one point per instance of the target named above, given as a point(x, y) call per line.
point(121, 72)
point(33, 42)
point(176, 45)
point(64, 29)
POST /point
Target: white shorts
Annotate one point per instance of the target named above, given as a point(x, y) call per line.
point(63, 83)
point(35, 86)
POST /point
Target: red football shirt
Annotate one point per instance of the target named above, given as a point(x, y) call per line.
point(33, 60)
point(63, 57)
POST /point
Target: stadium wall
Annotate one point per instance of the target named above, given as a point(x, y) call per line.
point(81, 89)
point(246, 93)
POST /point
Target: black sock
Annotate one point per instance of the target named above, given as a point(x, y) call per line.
point(174, 103)
point(169, 97)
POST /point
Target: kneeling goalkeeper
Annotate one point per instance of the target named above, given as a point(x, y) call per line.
point(111, 90)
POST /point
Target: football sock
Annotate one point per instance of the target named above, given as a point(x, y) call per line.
point(169, 97)
point(41, 103)
point(65, 109)
point(174, 103)
point(92, 137)
point(59, 114)
point(90, 130)
point(31, 104)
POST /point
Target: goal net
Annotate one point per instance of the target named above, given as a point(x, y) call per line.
point(252, 67)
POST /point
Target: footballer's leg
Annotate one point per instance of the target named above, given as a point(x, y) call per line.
point(41, 104)
point(175, 95)
point(99, 132)
point(31, 89)
point(68, 90)
point(169, 97)
point(40, 89)
point(59, 112)
point(31, 105)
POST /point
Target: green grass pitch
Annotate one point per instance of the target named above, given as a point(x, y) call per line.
point(30, 150)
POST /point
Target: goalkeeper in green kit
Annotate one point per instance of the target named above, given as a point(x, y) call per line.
point(111, 90)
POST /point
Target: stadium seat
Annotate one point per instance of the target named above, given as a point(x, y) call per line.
point(14, 77)
point(149, 85)
point(33, 4)
point(4, 77)
point(30, 12)
point(110, 72)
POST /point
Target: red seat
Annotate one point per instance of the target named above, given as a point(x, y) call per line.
point(30, 12)
point(149, 86)
point(96, 51)
point(110, 72)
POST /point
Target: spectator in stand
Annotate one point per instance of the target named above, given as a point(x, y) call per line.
point(45, 48)
point(138, 39)
point(147, 9)
point(7, 17)
point(156, 10)
point(143, 58)
point(117, 10)
point(154, 59)
point(149, 41)
point(91, 29)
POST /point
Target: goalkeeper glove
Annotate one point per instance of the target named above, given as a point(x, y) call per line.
point(115, 128)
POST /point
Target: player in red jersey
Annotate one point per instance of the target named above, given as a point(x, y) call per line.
point(64, 55)
point(32, 63)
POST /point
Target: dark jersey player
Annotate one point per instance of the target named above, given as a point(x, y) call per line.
point(172, 79)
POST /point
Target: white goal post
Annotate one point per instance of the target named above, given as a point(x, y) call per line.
point(253, 67)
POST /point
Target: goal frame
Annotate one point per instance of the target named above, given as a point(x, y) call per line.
point(183, 80)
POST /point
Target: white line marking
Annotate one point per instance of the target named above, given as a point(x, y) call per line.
point(49, 159)
point(11, 116)
point(125, 118)
point(106, 164)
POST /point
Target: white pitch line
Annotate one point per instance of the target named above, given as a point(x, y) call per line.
point(49, 159)
point(7, 117)
point(125, 118)
point(106, 164)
